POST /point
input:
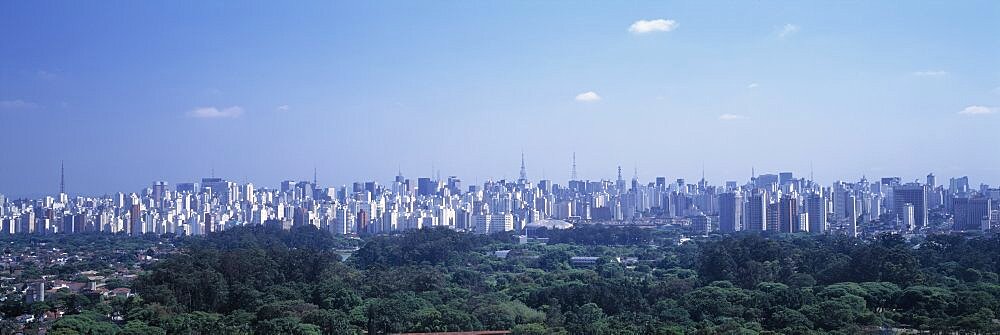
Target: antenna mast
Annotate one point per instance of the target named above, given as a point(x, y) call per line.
point(573, 175)
point(62, 177)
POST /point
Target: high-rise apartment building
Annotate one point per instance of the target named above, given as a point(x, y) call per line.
point(756, 213)
point(788, 214)
point(969, 213)
point(816, 208)
point(730, 212)
point(913, 194)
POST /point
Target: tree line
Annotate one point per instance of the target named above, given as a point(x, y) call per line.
point(255, 280)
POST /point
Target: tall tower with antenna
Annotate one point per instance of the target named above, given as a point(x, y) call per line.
point(62, 177)
point(702, 171)
point(702, 184)
point(573, 174)
point(524, 171)
point(620, 182)
point(811, 171)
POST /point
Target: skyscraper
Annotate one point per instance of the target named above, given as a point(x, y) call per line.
point(287, 186)
point(969, 212)
point(788, 214)
point(773, 216)
point(730, 212)
point(785, 178)
point(907, 216)
point(766, 181)
point(851, 211)
point(756, 214)
point(135, 222)
point(914, 194)
point(816, 207)
point(454, 185)
point(362, 220)
point(159, 191)
point(426, 186)
point(492, 223)
point(958, 185)
point(186, 188)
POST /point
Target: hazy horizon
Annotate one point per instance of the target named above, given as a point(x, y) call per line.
point(627, 174)
point(131, 92)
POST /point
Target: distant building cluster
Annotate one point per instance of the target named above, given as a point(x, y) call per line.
point(786, 204)
point(766, 203)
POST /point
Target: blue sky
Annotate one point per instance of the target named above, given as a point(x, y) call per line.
point(128, 92)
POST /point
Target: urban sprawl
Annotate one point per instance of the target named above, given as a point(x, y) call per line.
point(779, 202)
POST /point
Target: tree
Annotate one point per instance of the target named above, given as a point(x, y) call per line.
point(588, 319)
point(554, 260)
point(330, 322)
point(720, 299)
point(140, 328)
point(85, 323)
point(982, 321)
point(789, 320)
point(495, 317)
point(255, 280)
point(925, 306)
point(287, 326)
point(529, 329)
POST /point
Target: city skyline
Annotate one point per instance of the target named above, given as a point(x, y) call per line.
point(776, 203)
point(439, 175)
point(127, 93)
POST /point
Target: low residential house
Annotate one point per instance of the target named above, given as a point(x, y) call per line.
point(583, 260)
point(25, 318)
point(628, 260)
point(123, 292)
point(501, 253)
point(52, 315)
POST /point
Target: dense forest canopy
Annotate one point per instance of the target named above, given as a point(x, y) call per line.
point(257, 280)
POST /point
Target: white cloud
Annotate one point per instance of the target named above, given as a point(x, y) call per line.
point(731, 117)
point(752, 85)
point(590, 96)
point(650, 26)
point(215, 113)
point(977, 110)
point(283, 108)
point(17, 104)
point(930, 73)
point(787, 30)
